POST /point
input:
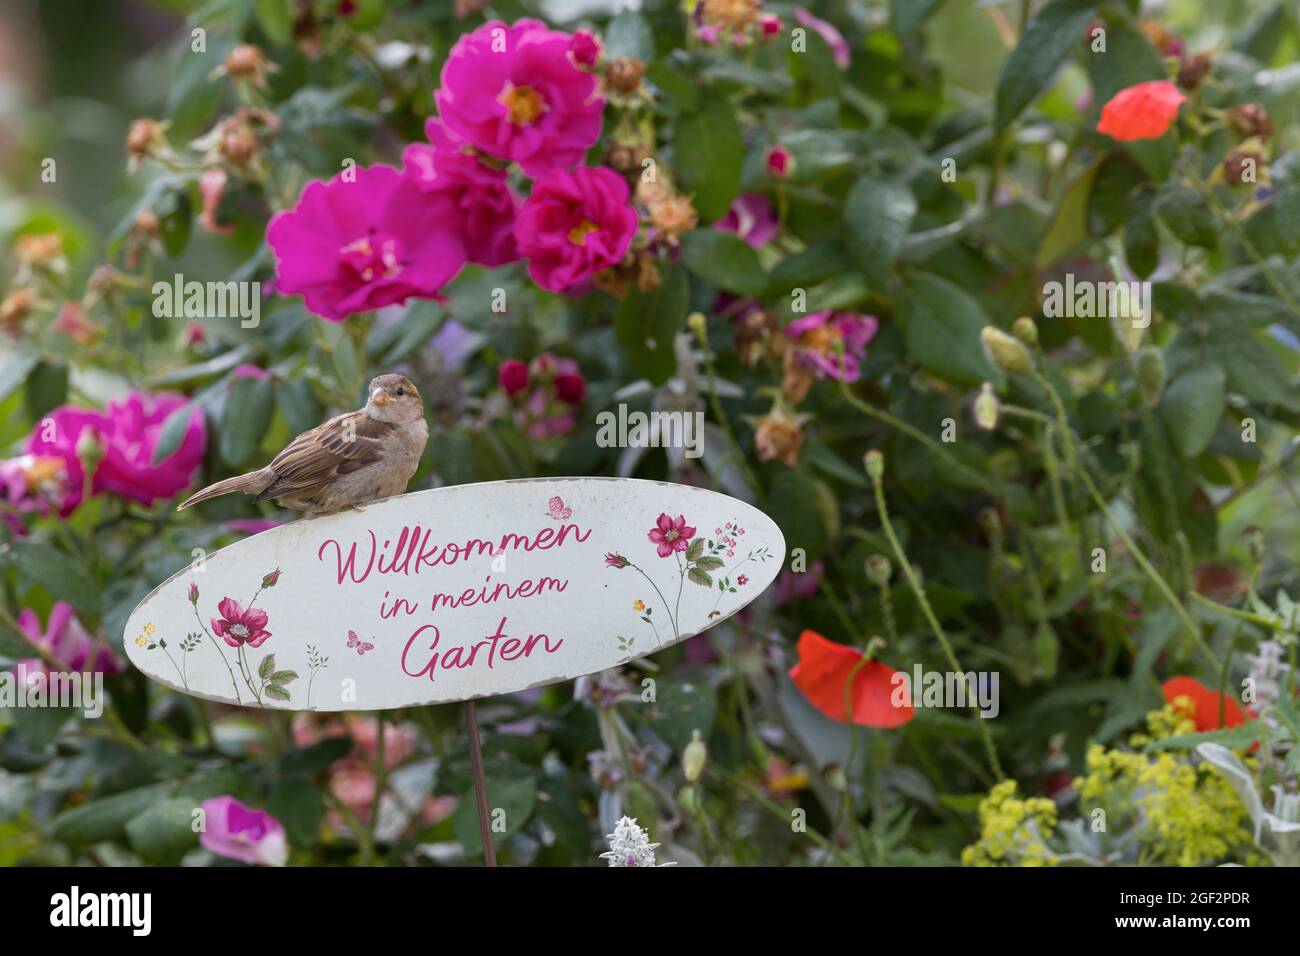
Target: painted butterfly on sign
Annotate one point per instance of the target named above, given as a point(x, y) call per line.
point(358, 643)
point(559, 511)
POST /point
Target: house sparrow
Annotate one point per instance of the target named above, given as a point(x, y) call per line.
point(351, 459)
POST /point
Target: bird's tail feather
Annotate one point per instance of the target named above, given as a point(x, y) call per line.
point(251, 483)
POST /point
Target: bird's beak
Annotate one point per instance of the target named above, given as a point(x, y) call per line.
point(381, 398)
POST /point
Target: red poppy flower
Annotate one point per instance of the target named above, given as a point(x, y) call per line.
point(1144, 111)
point(824, 670)
point(1205, 704)
point(238, 626)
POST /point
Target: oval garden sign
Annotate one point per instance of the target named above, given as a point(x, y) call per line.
point(454, 594)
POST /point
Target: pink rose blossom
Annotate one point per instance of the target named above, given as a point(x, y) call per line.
point(245, 370)
point(817, 335)
point(752, 218)
point(33, 483)
point(513, 376)
point(243, 833)
point(212, 186)
point(574, 225)
point(374, 239)
point(779, 162)
point(834, 39)
point(68, 642)
point(514, 92)
point(127, 433)
point(770, 25)
point(709, 34)
point(671, 535)
point(238, 626)
point(584, 48)
point(483, 204)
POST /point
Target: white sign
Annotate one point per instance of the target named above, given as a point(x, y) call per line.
point(454, 593)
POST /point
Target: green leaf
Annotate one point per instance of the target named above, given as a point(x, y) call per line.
point(46, 388)
point(315, 758)
point(702, 578)
point(695, 550)
point(1184, 211)
point(64, 577)
point(708, 151)
point(878, 213)
point(907, 15)
point(14, 372)
point(1192, 407)
point(1069, 223)
point(173, 432)
point(676, 89)
point(267, 667)
point(1141, 242)
point(792, 504)
point(163, 831)
point(1243, 735)
point(1109, 201)
point(104, 818)
point(283, 677)
point(516, 799)
point(725, 260)
point(942, 330)
point(1129, 59)
point(646, 323)
point(174, 212)
point(684, 706)
point(276, 20)
point(629, 35)
point(297, 404)
point(245, 419)
point(708, 563)
point(276, 692)
point(1046, 42)
point(298, 804)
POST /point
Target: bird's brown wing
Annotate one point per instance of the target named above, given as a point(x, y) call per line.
point(341, 446)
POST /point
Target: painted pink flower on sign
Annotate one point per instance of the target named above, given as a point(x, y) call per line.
point(243, 833)
point(238, 626)
point(700, 560)
point(671, 535)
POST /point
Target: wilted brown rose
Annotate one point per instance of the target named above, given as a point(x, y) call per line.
point(779, 438)
point(1242, 166)
point(1250, 119)
point(673, 216)
point(624, 75)
point(730, 14)
point(15, 308)
point(1194, 68)
point(248, 62)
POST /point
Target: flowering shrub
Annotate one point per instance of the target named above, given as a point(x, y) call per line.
point(992, 308)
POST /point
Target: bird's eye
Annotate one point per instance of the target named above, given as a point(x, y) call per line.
point(401, 391)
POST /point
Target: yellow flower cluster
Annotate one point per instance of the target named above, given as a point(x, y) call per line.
point(1013, 831)
point(1189, 813)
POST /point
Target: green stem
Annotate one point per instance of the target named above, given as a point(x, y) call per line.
point(990, 485)
point(1067, 437)
point(919, 591)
